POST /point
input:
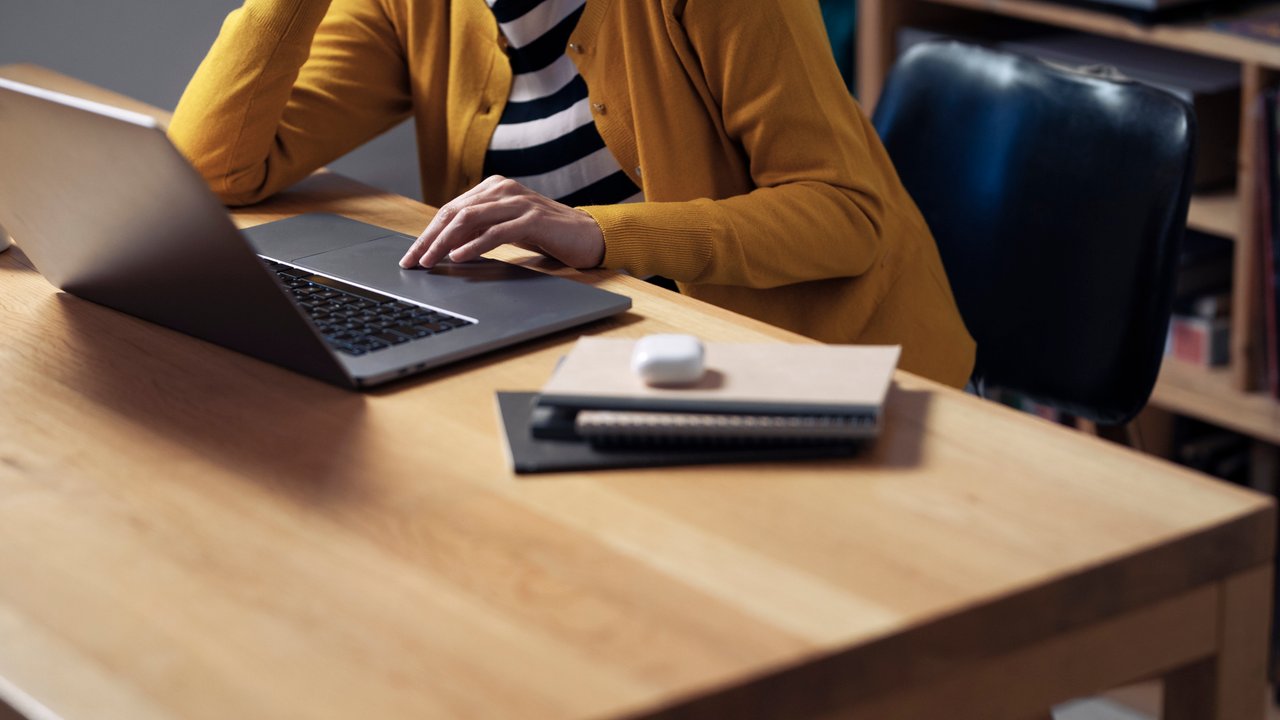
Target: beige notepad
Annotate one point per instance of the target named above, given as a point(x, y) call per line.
point(758, 378)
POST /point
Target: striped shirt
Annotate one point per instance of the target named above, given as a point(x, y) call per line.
point(546, 138)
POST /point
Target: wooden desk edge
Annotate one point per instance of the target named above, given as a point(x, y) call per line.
point(1045, 626)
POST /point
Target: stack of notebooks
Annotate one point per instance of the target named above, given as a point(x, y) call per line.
point(765, 402)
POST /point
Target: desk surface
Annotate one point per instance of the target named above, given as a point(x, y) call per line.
point(186, 532)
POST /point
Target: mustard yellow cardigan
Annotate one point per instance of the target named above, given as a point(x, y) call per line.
point(767, 190)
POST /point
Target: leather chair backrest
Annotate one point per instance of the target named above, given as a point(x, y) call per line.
point(1058, 199)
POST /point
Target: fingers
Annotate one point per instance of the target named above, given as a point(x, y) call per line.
point(444, 216)
point(501, 211)
point(466, 227)
point(488, 239)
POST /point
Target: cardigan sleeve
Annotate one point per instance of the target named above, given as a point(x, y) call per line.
point(825, 198)
point(288, 86)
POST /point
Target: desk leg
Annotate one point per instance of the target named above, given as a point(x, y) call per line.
point(1231, 685)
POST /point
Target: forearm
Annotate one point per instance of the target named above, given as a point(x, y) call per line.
point(767, 238)
point(226, 122)
point(289, 86)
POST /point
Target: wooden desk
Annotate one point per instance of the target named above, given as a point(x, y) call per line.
point(189, 533)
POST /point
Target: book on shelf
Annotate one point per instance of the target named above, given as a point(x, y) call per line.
point(1205, 266)
point(1200, 326)
point(1262, 25)
point(1211, 449)
point(1199, 340)
point(1267, 257)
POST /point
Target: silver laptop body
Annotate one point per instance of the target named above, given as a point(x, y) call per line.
point(108, 210)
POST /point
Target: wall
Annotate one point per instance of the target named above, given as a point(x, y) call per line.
point(147, 49)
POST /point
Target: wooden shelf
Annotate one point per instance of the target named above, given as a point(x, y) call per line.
point(1208, 394)
point(1217, 213)
point(1193, 36)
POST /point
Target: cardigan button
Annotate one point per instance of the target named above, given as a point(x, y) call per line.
point(599, 107)
point(575, 47)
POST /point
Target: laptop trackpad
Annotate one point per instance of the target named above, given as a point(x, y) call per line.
point(311, 234)
point(460, 287)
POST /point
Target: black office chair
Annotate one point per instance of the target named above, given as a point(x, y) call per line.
point(1058, 199)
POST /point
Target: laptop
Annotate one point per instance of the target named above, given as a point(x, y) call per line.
point(108, 210)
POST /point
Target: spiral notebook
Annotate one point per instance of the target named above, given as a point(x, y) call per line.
point(530, 451)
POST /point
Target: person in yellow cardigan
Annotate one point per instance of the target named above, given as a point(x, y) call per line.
point(707, 141)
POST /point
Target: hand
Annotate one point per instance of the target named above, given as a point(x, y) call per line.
point(499, 211)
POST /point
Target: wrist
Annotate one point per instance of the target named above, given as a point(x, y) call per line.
point(594, 243)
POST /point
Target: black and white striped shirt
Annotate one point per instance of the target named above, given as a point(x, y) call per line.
point(546, 138)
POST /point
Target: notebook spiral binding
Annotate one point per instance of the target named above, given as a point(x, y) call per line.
point(634, 427)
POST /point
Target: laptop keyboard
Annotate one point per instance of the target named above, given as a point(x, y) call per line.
point(357, 321)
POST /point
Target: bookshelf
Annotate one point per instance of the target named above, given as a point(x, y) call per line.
point(1223, 396)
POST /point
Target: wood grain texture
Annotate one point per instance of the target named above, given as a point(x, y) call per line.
point(1193, 36)
point(1014, 686)
point(1217, 212)
point(1225, 686)
point(1247, 323)
point(1211, 394)
point(186, 532)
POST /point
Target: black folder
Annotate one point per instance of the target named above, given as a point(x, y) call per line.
point(529, 454)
